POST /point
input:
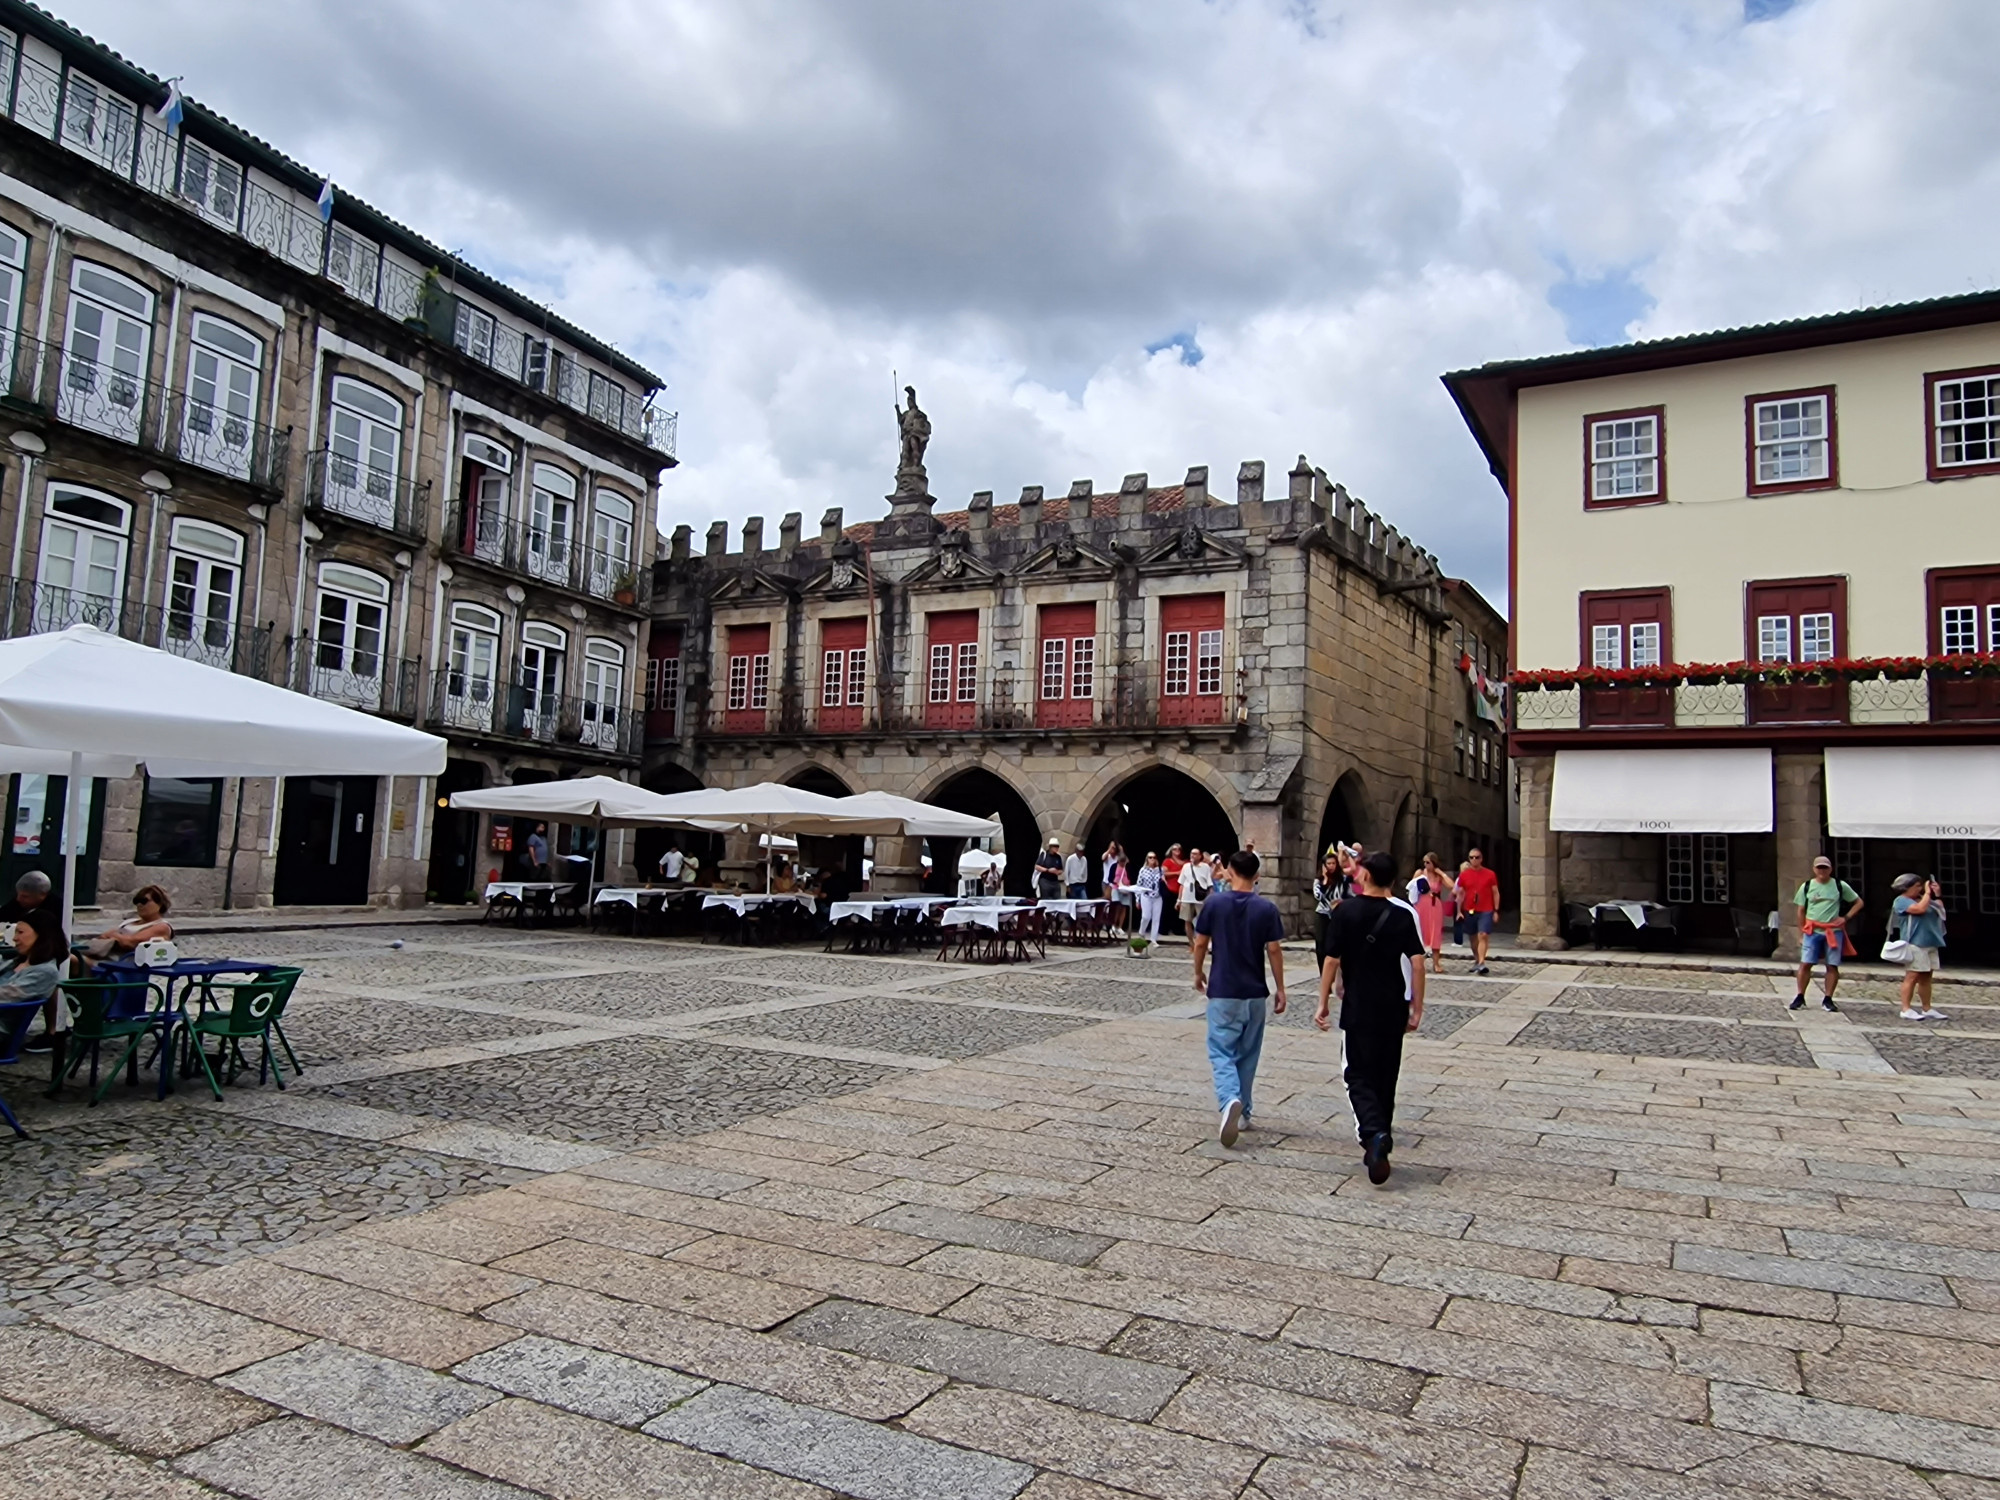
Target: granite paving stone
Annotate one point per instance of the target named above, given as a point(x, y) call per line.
point(571, 1457)
point(672, 1284)
point(435, 1280)
point(170, 1330)
point(69, 1466)
point(1778, 1046)
point(588, 1382)
point(1054, 1319)
point(327, 1028)
point(1823, 1275)
point(1116, 1386)
point(379, 1398)
point(863, 1459)
point(1272, 1362)
point(17, 1422)
point(864, 1281)
point(632, 996)
point(298, 1459)
point(1942, 1056)
point(919, 1027)
point(1923, 1442)
point(1008, 1236)
point(1579, 1426)
point(136, 1404)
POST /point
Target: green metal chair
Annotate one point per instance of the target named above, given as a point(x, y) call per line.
point(112, 1010)
point(233, 1014)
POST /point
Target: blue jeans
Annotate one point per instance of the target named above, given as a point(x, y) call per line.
point(1235, 1038)
point(1078, 891)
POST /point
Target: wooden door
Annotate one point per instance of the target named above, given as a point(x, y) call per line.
point(1622, 629)
point(843, 676)
point(1965, 621)
point(1191, 690)
point(1066, 666)
point(951, 670)
point(1798, 620)
point(747, 685)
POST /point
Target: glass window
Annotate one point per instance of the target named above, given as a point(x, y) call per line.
point(832, 679)
point(1055, 667)
point(219, 413)
point(213, 184)
point(473, 332)
point(1607, 647)
point(204, 573)
point(1715, 869)
point(857, 676)
point(1625, 457)
point(940, 685)
point(1646, 644)
point(178, 820)
point(1176, 679)
point(1791, 440)
point(968, 671)
point(1774, 638)
point(105, 361)
point(1958, 628)
point(81, 571)
point(1680, 869)
point(1208, 664)
point(1967, 418)
point(739, 682)
point(1083, 666)
point(365, 444)
point(760, 680)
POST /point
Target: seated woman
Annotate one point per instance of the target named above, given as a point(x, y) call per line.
point(41, 953)
point(781, 877)
point(150, 906)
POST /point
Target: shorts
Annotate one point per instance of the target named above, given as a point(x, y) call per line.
point(1478, 921)
point(1922, 961)
point(1815, 948)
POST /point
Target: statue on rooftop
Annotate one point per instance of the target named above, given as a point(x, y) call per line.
point(915, 429)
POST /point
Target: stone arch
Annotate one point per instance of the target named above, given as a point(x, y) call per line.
point(813, 775)
point(1090, 803)
point(1156, 805)
point(840, 857)
point(1348, 818)
point(983, 792)
point(648, 844)
point(1407, 830)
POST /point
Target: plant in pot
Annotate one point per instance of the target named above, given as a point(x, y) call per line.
point(625, 587)
point(1141, 947)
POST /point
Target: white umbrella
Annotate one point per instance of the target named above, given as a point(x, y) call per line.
point(920, 819)
point(598, 802)
point(79, 702)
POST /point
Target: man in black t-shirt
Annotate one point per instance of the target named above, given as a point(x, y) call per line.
point(1371, 939)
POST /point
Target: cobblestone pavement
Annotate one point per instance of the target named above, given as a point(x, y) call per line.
point(666, 1219)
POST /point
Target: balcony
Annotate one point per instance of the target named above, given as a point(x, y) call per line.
point(549, 555)
point(461, 703)
point(36, 609)
point(117, 403)
point(337, 672)
point(340, 486)
point(1862, 694)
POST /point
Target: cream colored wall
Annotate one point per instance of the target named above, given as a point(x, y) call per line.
point(1881, 529)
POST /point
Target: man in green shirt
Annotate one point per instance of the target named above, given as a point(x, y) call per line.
point(1826, 906)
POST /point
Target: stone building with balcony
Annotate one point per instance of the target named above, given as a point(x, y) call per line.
point(246, 417)
point(1756, 585)
point(1156, 664)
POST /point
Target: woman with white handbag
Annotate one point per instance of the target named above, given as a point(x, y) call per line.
point(1916, 922)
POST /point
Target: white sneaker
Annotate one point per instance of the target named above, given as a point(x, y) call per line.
point(1930, 1015)
point(1913, 1015)
point(1232, 1122)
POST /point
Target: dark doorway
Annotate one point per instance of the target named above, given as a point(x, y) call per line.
point(1346, 818)
point(455, 835)
point(649, 845)
point(35, 807)
point(1156, 808)
point(839, 858)
point(324, 841)
point(984, 795)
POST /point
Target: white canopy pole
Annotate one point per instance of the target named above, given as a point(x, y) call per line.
point(71, 837)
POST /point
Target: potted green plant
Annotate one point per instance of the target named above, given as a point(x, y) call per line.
point(1140, 947)
point(625, 587)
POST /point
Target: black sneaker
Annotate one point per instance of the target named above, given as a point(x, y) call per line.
point(40, 1043)
point(1798, 1003)
point(1376, 1159)
point(1826, 1003)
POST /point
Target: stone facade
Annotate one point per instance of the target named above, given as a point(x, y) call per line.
point(328, 455)
point(1273, 670)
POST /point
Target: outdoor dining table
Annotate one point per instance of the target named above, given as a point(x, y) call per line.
point(740, 904)
point(840, 911)
point(1635, 912)
point(1073, 908)
point(185, 972)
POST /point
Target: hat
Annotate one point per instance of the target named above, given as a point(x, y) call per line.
point(1904, 882)
point(1822, 860)
point(1055, 843)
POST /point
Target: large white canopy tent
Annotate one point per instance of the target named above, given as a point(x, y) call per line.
point(80, 702)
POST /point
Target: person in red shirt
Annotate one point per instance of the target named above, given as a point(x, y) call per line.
point(1171, 868)
point(1479, 900)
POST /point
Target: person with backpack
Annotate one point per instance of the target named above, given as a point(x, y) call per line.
point(1917, 920)
point(1243, 929)
point(1371, 941)
point(1826, 905)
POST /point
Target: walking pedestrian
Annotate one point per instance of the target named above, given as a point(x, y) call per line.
point(1076, 873)
point(1244, 930)
point(1919, 909)
point(1826, 906)
point(1479, 902)
point(1430, 890)
point(1170, 870)
point(1195, 879)
point(1151, 883)
point(1373, 938)
point(1112, 857)
point(1048, 871)
point(1329, 887)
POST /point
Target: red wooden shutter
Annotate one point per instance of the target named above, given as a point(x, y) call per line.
point(745, 709)
point(1621, 629)
point(843, 683)
point(1965, 620)
point(1066, 665)
point(1801, 621)
point(1191, 687)
point(951, 670)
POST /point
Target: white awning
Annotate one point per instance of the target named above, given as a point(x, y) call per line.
point(1914, 792)
point(1662, 791)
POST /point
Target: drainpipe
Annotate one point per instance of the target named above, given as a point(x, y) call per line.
point(48, 306)
point(261, 515)
point(29, 444)
point(167, 379)
point(308, 534)
point(435, 664)
point(156, 486)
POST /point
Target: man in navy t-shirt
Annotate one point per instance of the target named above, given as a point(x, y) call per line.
point(1370, 941)
point(1242, 928)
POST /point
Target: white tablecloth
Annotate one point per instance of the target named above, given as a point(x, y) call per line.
point(519, 889)
point(1073, 909)
point(975, 916)
point(922, 903)
point(739, 904)
point(633, 896)
point(840, 911)
point(1635, 912)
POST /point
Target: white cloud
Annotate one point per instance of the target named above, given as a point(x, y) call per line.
point(777, 202)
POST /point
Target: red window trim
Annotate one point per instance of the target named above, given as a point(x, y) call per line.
point(1933, 632)
point(1751, 585)
point(1934, 471)
point(1583, 602)
point(1659, 496)
point(1832, 480)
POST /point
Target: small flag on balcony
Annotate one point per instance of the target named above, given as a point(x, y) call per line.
point(326, 200)
point(174, 108)
point(1487, 701)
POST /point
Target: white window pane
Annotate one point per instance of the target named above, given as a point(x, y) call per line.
point(1625, 458)
point(739, 682)
point(1055, 667)
point(1791, 440)
point(857, 677)
point(1958, 629)
point(940, 685)
point(1083, 667)
point(1646, 644)
point(1816, 637)
point(831, 685)
point(1968, 420)
point(1774, 638)
point(760, 682)
point(1607, 647)
point(1176, 677)
point(968, 672)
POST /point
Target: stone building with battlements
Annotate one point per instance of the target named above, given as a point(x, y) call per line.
point(1156, 664)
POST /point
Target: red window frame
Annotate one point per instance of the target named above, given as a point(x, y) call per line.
point(1625, 707)
point(1795, 702)
point(663, 681)
point(1934, 469)
point(843, 687)
point(1963, 699)
point(1070, 632)
point(1181, 699)
point(748, 644)
point(1799, 486)
point(956, 632)
point(1625, 502)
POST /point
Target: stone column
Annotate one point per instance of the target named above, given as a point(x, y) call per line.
point(1796, 823)
point(898, 866)
point(1541, 856)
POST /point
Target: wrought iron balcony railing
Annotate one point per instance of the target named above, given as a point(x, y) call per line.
point(465, 703)
point(548, 554)
point(183, 626)
point(1927, 691)
point(344, 486)
point(354, 676)
point(114, 400)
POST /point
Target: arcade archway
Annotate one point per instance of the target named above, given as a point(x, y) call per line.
point(1346, 819)
point(840, 860)
point(1157, 807)
point(982, 794)
point(648, 844)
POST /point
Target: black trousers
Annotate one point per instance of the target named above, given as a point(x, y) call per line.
point(1374, 1061)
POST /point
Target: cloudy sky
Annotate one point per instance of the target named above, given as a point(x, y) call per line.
point(1112, 235)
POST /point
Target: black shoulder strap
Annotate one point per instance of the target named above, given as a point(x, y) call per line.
point(1388, 911)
